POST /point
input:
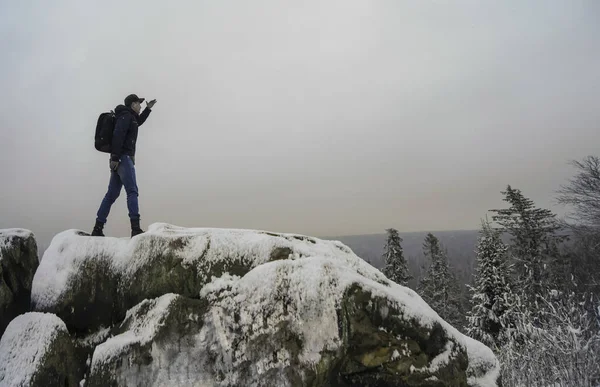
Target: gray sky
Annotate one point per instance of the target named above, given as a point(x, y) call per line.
point(317, 117)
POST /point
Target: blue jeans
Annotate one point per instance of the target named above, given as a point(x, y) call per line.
point(124, 176)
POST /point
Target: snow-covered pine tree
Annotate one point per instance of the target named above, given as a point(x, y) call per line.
point(534, 243)
point(395, 263)
point(439, 287)
point(492, 296)
point(427, 287)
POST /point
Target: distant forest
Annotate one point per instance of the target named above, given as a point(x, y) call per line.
point(460, 245)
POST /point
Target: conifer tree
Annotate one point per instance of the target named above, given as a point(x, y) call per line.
point(534, 246)
point(395, 263)
point(439, 287)
point(492, 296)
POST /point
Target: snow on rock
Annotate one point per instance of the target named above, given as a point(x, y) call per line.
point(18, 262)
point(36, 350)
point(8, 235)
point(215, 307)
point(280, 324)
point(156, 345)
point(80, 277)
point(139, 331)
point(484, 367)
point(332, 310)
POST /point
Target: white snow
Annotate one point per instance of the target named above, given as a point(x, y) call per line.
point(481, 357)
point(303, 291)
point(440, 360)
point(140, 332)
point(68, 250)
point(24, 344)
point(172, 364)
point(314, 288)
point(15, 232)
point(6, 236)
point(63, 259)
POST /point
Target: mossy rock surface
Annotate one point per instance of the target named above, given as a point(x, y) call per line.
point(37, 351)
point(18, 263)
point(90, 282)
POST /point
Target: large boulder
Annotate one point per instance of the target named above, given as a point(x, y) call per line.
point(36, 350)
point(91, 282)
point(18, 263)
point(212, 307)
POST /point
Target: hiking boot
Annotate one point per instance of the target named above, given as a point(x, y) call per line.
point(97, 231)
point(135, 228)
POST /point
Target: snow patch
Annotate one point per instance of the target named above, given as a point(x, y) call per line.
point(24, 344)
point(15, 232)
point(481, 358)
point(173, 364)
point(440, 360)
point(7, 235)
point(140, 332)
point(64, 258)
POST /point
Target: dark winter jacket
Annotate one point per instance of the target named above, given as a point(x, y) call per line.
point(126, 131)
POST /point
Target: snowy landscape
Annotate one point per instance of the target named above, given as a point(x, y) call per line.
point(227, 307)
point(216, 307)
point(340, 193)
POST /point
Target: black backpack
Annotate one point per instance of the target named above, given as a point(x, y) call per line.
point(104, 132)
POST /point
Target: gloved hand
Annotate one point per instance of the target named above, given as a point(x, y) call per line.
point(150, 104)
point(114, 165)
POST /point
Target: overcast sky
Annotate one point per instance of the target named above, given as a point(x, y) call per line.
point(316, 117)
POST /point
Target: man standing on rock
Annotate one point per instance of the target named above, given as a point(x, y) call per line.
point(122, 162)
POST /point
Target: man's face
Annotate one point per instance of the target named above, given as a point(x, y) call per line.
point(136, 107)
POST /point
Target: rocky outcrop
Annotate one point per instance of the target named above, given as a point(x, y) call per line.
point(213, 307)
point(18, 263)
point(36, 350)
point(92, 282)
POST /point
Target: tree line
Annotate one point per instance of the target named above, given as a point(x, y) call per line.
point(534, 296)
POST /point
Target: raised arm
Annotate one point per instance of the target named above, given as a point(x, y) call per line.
point(146, 112)
point(143, 116)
